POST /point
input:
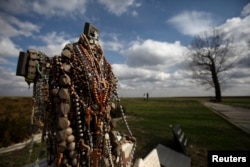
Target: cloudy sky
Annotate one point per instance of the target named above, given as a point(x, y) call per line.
point(145, 41)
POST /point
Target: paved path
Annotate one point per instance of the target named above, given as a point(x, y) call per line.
point(240, 117)
point(37, 138)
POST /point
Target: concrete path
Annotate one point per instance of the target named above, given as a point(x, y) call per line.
point(240, 117)
point(37, 138)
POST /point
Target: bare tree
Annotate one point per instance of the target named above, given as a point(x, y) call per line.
point(211, 56)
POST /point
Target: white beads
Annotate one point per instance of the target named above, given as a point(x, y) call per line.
point(107, 136)
point(70, 138)
point(71, 146)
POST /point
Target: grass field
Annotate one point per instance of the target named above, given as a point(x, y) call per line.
point(237, 102)
point(14, 119)
point(150, 123)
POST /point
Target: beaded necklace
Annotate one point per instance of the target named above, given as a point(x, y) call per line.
point(75, 104)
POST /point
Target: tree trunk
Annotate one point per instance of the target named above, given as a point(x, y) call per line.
point(216, 83)
point(217, 92)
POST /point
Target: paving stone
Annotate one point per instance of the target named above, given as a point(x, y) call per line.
point(240, 117)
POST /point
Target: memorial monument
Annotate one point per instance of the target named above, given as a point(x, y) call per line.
point(73, 95)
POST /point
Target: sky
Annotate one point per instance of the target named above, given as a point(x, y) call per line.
point(144, 41)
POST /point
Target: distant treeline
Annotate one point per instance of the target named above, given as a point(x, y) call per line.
point(15, 121)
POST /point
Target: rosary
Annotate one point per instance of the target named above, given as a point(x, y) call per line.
point(73, 95)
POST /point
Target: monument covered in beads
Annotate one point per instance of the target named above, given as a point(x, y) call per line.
point(73, 95)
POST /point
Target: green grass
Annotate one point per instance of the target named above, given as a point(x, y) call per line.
point(243, 102)
point(150, 123)
point(23, 157)
point(14, 120)
point(206, 131)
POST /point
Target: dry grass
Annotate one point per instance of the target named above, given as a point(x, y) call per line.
point(14, 120)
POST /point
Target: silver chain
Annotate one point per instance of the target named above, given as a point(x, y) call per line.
point(32, 135)
point(125, 121)
point(129, 131)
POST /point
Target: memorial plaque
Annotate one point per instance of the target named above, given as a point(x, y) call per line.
point(171, 158)
point(180, 138)
point(152, 159)
point(138, 163)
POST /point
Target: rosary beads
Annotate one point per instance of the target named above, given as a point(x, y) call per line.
point(74, 94)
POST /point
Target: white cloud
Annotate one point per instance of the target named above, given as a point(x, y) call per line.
point(118, 7)
point(153, 54)
point(54, 43)
point(160, 68)
point(4, 61)
point(45, 7)
point(11, 85)
point(150, 67)
point(246, 10)
point(111, 43)
point(134, 13)
point(8, 48)
point(11, 26)
point(73, 8)
point(237, 28)
point(192, 22)
point(137, 74)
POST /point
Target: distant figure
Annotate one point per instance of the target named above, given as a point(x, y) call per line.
point(147, 96)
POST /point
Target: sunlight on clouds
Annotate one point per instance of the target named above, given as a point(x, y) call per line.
point(246, 10)
point(54, 43)
point(134, 74)
point(124, 86)
point(162, 76)
point(8, 48)
point(192, 22)
point(124, 72)
point(140, 78)
point(148, 66)
point(11, 85)
point(112, 43)
point(118, 7)
point(54, 37)
point(11, 26)
point(237, 28)
point(153, 53)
